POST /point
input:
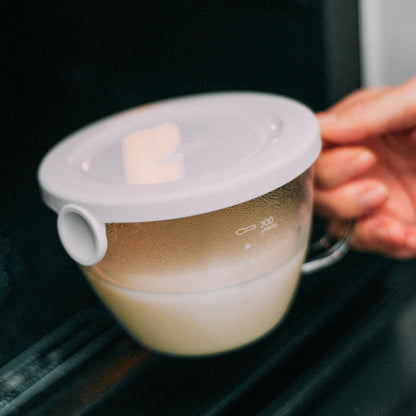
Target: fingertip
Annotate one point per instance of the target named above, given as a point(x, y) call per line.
point(411, 242)
point(326, 117)
point(391, 233)
point(327, 121)
point(351, 200)
point(335, 167)
point(361, 162)
point(371, 196)
point(336, 128)
point(385, 236)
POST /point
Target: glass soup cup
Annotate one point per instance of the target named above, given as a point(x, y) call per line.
point(191, 218)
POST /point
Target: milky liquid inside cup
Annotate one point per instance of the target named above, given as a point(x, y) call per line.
point(211, 282)
point(206, 322)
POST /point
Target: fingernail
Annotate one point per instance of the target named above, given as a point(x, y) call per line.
point(373, 197)
point(411, 241)
point(391, 233)
point(360, 162)
point(326, 118)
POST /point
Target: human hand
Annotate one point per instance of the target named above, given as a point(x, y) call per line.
point(367, 169)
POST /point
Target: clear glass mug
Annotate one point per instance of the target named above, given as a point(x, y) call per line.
point(191, 217)
point(212, 282)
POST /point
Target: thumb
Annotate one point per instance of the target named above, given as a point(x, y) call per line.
point(368, 113)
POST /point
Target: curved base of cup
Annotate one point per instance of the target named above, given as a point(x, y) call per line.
point(208, 322)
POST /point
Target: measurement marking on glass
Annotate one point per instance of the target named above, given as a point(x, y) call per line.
point(268, 228)
point(267, 224)
point(242, 231)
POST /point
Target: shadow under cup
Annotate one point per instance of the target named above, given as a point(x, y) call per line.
point(212, 282)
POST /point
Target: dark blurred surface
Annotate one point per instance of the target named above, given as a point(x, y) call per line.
point(348, 344)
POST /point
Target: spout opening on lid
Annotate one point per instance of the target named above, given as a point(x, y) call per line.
point(82, 235)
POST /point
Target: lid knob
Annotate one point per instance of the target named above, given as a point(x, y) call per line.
point(82, 235)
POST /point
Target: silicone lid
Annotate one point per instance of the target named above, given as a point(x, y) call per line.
point(180, 157)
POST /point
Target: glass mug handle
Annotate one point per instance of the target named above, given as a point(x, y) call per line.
point(327, 251)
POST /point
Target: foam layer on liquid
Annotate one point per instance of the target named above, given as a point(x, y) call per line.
point(204, 322)
point(216, 275)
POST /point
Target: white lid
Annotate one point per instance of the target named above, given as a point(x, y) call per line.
point(181, 157)
point(173, 159)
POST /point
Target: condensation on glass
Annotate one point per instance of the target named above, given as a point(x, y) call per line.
point(212, 250)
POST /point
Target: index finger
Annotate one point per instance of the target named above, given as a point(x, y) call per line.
point(370, 113)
